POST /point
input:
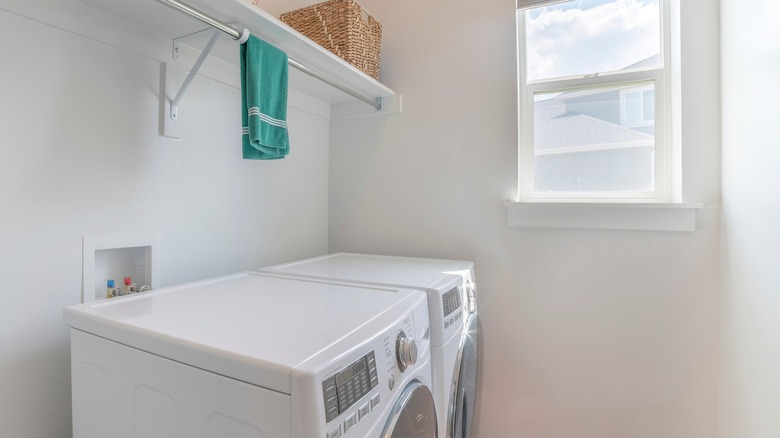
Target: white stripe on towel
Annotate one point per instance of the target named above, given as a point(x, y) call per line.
point(255, 111)
point(269, 120)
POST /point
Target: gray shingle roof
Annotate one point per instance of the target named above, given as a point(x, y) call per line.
point(571, 132)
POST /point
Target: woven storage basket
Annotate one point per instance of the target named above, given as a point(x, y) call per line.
point(344, 28)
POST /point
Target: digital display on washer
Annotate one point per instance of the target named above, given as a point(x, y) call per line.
point(451, 301)
point(349, 385)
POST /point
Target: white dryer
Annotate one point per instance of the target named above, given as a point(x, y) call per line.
point(452, 303)
point(252, 356)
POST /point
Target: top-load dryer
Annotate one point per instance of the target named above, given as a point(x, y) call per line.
point(452, 304)
point(253, 356)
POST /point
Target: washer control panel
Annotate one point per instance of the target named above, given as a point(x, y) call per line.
point(342, 390)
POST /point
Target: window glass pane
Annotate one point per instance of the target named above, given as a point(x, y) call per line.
point(584, 37)
point(584, 143)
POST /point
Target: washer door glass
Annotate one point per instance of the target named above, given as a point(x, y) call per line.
point(414, 415)
point(464, 384)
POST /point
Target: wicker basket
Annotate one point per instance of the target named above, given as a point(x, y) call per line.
point(344, 28)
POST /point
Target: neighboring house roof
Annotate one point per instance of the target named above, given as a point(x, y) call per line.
point(650, 61)
point(558, 131)
point(571, 132)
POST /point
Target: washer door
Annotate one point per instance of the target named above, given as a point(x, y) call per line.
point(464, 382)
point(414, 414)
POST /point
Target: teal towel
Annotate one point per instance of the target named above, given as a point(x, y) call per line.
point(263, 101)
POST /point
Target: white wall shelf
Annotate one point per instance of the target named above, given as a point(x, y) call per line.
point(163, 20)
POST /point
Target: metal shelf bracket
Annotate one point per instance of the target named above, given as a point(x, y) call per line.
point(194, 71)
point(177, 41)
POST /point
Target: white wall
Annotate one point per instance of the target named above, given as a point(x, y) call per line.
point(80, 154)
point(750, 330)
point(587, 333)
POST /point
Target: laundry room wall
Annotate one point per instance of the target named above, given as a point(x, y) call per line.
point(81, 155)
point(750, 305)
point(587, 333)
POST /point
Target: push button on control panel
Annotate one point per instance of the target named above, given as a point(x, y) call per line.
point(363, 411)
point(335, 433)
point(350, 422)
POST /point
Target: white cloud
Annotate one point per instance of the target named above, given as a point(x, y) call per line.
point(566, 41)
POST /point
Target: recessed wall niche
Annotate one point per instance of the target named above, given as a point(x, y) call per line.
point(116, 257)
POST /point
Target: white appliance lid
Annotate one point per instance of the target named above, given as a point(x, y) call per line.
point(247, 326)
point(400, 271)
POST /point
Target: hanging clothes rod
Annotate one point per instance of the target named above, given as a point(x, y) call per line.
point(241, 37)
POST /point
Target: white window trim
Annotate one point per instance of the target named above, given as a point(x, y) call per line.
point(621, 214)
point(665, 178)
point(668, 216)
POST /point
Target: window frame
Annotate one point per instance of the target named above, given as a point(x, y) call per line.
point(661, 76)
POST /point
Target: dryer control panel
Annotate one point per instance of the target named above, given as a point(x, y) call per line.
point(342, 390)
point(451, 301)
point(348, 389)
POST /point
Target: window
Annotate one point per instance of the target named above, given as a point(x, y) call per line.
point(594, 100)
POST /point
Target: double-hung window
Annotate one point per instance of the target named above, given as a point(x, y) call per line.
point(594, 100)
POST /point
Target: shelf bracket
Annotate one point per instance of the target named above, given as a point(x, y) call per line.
point(194, 71)
point(177, 41)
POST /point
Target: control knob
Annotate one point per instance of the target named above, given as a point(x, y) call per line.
point(405, 351)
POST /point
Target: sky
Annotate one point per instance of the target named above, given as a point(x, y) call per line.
point(590, 36)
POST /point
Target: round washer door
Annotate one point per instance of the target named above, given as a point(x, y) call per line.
point(464, 382)
point(414, 414)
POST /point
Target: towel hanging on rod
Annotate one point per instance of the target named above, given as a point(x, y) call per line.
point(241, 37)
point(263, 101)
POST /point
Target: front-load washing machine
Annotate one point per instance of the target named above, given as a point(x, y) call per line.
point(450, 287)
point(253, 356)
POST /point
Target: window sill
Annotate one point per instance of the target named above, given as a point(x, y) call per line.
point(604, 215)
